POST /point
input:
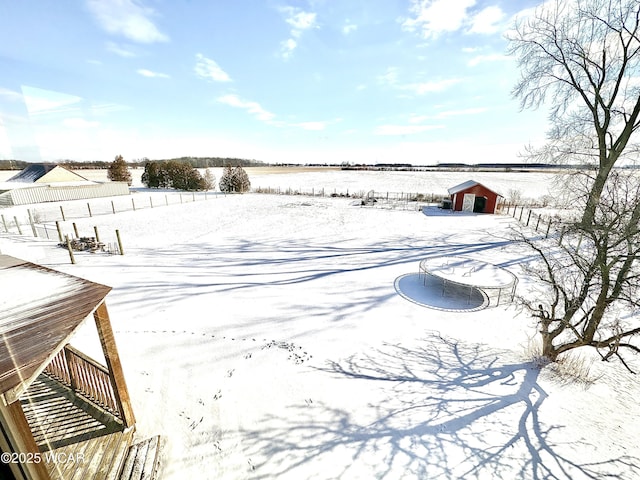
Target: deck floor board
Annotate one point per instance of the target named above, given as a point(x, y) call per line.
point(78, 440)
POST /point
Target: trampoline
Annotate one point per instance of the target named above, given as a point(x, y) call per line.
point(495, 282)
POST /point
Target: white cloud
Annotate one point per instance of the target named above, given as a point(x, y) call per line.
point(430, 18)
point(251, 107)
point(421, 88)
point(287, 47)
point(487, 21)
point(148, 73)
point(390, 77)
point(128, 18)
point(494, 57)
point(315, 126)
point(300, 21)
point(463, 112)
point(405, 129)
point(209, 69)
point(349, 27)
point(119, 50)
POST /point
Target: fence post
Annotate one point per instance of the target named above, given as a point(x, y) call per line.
point(113, 207)
point(521, 212)
point(75, 230)
point(33, 227)
point(151, 201)
point(15, 219)
point(538, 222)
point(59, 230)
point(62, 212)
point(193, 196)
point(561, 236)
point(4, 222)
point(529, 217)
point(119, 242)
point(546, 235)
point(95, 230)
point(166, 200)
point(89, 208)
point(73, 259)
point(133, 204)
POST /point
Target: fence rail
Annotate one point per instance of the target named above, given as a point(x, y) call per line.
point(85, 377)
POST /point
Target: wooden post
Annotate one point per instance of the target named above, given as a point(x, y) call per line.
point(75, 230)
point(538, 222)
point(89, 208)
point(4, 222)
point(529, 217)
point(112, 359)
point(181, 198)
point(521, 211)
point(23, 441)
point(193, 196)
point(133, 204)
point(151, 201)
point(62, 212)
point(166, 200)
point(73, 259)
point(95, 230)
point(113, 207)
point(119, 242)
point(15, 219)
point(59, 230)
point(33, 227)
point(546, 235)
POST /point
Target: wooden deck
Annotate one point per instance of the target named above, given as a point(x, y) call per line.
point(78, 440)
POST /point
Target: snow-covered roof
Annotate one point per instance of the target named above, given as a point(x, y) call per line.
point(466, 185)
point(39, 310)
point(46, 173)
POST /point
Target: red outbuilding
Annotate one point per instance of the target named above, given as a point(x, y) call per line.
point(472, 196)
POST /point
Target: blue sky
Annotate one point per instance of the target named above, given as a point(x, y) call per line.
point(314, 81)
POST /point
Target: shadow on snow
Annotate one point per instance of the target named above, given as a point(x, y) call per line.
point(449, 411)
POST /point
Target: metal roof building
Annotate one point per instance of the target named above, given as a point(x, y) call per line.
point(42, 182)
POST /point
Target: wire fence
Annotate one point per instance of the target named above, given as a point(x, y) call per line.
point(55, 221)
point(552, 226)
point(370, 198)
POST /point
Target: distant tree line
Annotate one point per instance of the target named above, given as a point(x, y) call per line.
point(182, 176)
point(172, 174)
point(13, 165)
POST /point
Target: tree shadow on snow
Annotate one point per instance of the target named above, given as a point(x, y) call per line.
point(448, 411)
point(193, 269)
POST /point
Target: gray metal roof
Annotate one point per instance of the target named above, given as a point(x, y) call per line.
point(40, 309)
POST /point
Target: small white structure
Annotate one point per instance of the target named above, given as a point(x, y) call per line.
point(42, 182)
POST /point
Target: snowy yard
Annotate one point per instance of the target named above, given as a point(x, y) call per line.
point(276, 337)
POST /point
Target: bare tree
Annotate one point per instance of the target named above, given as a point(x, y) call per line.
point(583, 57)
point(591, 279)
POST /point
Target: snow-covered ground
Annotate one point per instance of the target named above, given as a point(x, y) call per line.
point(281, 337)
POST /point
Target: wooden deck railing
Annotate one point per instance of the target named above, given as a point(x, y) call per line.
point(84, 376)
